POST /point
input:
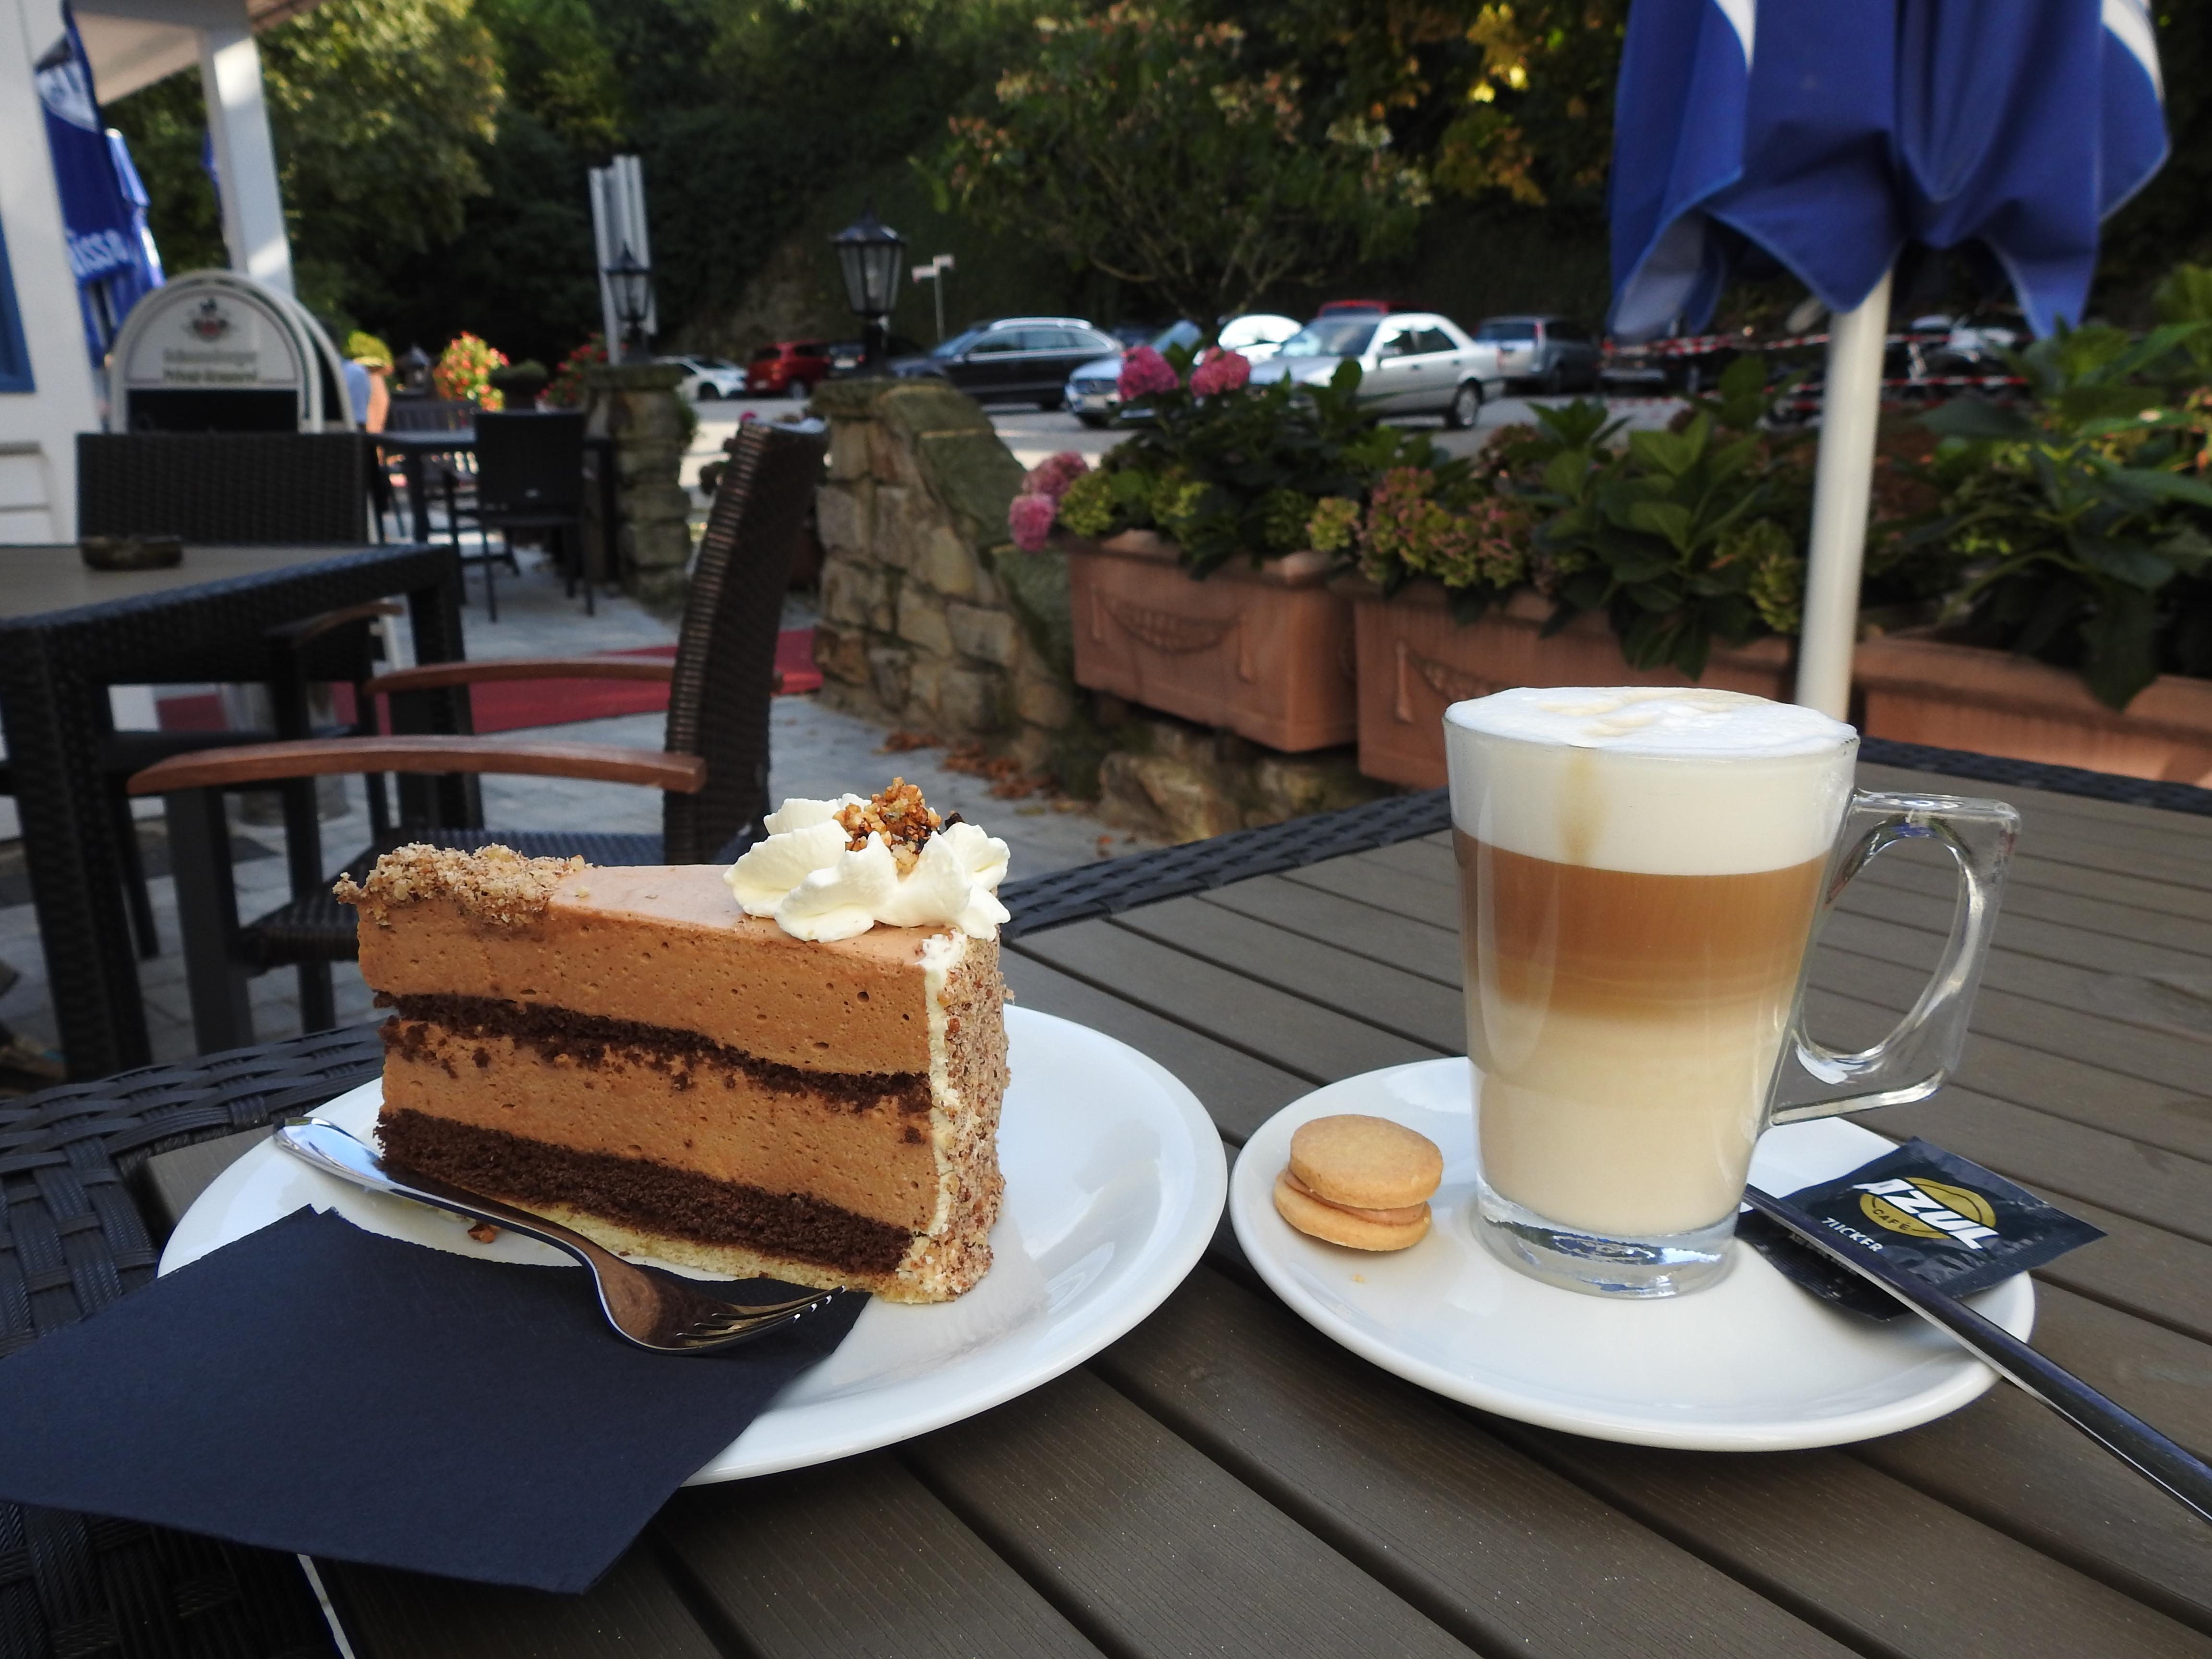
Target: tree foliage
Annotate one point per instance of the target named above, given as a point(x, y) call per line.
point(380, 110)
point(1158, 149)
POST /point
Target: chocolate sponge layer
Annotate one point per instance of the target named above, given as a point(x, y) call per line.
point(647, 1196)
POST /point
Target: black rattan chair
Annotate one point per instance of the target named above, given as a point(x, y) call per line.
point(225, 487)
point(530, 477)
point(712, 769)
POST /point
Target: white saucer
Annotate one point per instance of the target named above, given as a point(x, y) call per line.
point(1752, 1363)
point(1114, 1177)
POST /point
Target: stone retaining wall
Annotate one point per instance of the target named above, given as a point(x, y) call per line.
point(930, 619)
point(637, 406)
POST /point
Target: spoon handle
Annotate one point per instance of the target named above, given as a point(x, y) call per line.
point(2118, 1431)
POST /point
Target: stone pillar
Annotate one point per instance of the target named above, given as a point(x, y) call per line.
point(930, 619)
point(636, 405)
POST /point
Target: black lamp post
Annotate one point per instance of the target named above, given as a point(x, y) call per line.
point(871, 255)
point(631, 286)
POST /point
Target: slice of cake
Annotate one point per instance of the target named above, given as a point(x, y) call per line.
point(791, 1067)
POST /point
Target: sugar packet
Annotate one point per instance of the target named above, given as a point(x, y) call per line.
point(1949, 1222)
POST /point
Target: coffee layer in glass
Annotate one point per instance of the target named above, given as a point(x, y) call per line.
point(1640, 874)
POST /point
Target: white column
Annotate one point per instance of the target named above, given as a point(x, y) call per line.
point(245, 155)
point(1850, 404)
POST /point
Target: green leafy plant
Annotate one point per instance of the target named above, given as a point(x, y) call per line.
point(1241, 472)
point(1683, 537)
point(2080, 517)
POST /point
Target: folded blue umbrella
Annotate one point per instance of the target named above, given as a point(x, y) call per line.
point(1830, 135)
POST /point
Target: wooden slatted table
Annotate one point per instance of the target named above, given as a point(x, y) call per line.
point(1225, 1480)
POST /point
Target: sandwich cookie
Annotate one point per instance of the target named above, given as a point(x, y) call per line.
point(1360, 1181)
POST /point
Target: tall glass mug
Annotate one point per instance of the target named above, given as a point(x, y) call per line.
point(1642, 872)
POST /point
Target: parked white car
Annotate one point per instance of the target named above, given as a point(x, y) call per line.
point(1411, 363)
point(708, 378)
point(1094, 391)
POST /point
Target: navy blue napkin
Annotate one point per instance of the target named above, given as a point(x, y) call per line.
point(318, 1388)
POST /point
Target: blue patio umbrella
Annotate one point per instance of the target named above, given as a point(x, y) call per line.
point(103, 204)
point(1832, 137)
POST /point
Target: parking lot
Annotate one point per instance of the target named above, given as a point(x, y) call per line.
point(1033, 433)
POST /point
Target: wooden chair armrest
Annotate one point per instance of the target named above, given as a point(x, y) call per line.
point(297, 634)
point(270, 762)
point(436, 675)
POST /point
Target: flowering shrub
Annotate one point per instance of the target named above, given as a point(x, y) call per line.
point(1222, 371)
point(1225, 467)
point(1088, 507)
point(1053, 475)
point(565, 390)
point(1143, 373)
point(463, 373)
point(1419, 524)
point(1333, 525)
point(1030, 519)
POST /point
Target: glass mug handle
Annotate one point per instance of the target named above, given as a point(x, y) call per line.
point(1912, 1062)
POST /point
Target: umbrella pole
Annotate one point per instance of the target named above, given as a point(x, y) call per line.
point(1850, 406)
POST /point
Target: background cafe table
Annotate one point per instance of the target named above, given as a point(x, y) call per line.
point(68, 633)
point(1224, 1479)
point(413, 447)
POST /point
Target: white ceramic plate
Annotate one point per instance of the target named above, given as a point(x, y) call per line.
point(1114, 1178)
point(1751, 1363)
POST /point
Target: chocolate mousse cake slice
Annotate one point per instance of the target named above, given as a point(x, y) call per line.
point(629, 1052)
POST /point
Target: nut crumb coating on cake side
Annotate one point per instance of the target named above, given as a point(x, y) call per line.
point(495, 884)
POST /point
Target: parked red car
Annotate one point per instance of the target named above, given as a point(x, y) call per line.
point(789, 368)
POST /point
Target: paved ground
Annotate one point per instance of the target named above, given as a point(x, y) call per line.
point(815, 750)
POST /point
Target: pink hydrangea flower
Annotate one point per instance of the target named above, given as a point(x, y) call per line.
point(1030, 519)
point(1222, 371)
point(1052, 475)
point(1144, 372)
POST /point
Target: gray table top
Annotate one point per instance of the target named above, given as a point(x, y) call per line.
point(1224, 1479)
point(37, 578)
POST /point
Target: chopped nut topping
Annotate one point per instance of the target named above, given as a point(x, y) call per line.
point(494, 885)
point(900, 816)
point(483, 1233)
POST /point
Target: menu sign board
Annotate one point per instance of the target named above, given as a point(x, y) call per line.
point(208, 340)
point(214, 351)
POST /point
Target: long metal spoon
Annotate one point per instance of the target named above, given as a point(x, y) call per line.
point(652, 1309)
point(2119, 1431)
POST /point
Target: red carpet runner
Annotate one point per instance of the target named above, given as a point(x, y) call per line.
point(515, 705)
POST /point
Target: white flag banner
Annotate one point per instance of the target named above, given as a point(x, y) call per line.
point(618, 222)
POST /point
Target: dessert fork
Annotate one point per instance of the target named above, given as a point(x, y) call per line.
point(646, 1306)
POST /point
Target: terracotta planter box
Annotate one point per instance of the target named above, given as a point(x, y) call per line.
point(1922, 689)
point(1415, 661)
point(1265, 653)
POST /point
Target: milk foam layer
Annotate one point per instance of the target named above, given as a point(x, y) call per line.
point(1651, 780)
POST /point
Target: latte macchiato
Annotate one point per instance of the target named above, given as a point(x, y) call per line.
point(1640, 873)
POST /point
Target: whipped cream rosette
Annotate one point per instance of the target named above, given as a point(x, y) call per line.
point(818, 886)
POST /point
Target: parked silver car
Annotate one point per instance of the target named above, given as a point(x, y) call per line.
point(1094, 391)
point(707, 377)
point(1411, 363)
point(1547, 355)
